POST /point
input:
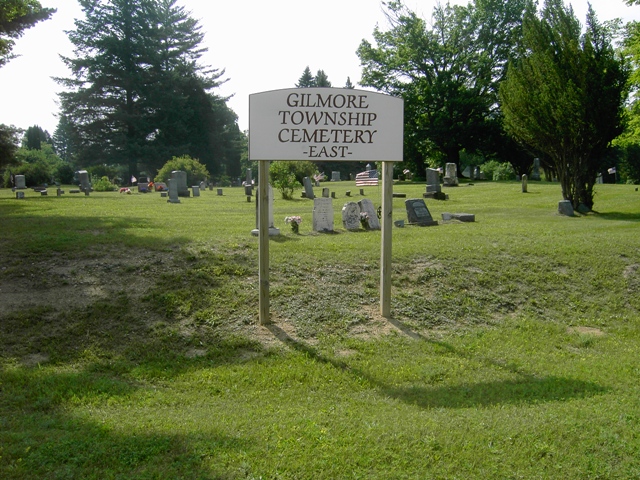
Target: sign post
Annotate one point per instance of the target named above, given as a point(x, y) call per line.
point(325, 124)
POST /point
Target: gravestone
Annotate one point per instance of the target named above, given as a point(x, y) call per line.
point(43, 192)
point(524, 183)
point(333, 194)
point(535, 174)
point(351, 216)
point(143, 187)
point(20, 195)
point(450, 176)
point(463, 217)
point(173, 191)
point(83, 177)
point(59, 192)
point(325, 192)
point(362, 192)
point(323, 215)
point(219, 192)
point(335, 176)
point(366, 205)
point(164, 194)
point(308, 188)
point(20, 182)
point(273, 231)
point(249, 179)
point(180, 178)
point(160, 187)
point(203, 186)
point(433, 180)
point(248, 190)
point(196, 190)
point(418, 213)
point(565, 208)
point(348, 193)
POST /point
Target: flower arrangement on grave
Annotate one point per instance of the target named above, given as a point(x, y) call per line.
point(295, 222)
point(364, 220)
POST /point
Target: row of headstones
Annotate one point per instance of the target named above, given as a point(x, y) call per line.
point(309, 193)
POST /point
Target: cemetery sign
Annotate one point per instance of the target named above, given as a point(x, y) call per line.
point(320, 124)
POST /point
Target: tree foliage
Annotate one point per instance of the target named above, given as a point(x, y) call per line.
point(447, 71)
point(196, 171)
point(138, 92)
point(566, 96)
point(9, 141)
point(15, 17)
point(307, 79)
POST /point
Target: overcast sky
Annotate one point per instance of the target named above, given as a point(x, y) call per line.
point(261, 44)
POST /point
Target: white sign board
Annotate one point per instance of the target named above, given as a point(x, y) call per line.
point(320, 124)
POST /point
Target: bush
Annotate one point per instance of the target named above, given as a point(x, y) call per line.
point(283, 178)
point(196, 171)
point(495, 170)
point(37, 173)
point(104, 185)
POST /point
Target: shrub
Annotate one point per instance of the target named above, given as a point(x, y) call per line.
point(283, 178)
point(104, 185)
point(196, 171)
point(495, 170)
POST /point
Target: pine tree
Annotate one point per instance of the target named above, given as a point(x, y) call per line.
point(322, 80)
point(138, 94)
point(348, 84)
point(306, 80)
point(15, 17)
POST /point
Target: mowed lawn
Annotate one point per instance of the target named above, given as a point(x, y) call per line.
point(130, 345)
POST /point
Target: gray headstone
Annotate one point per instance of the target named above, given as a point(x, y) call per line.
point(181, 183)
point(433, 180)
point(59, 192)
point(348, 193)
point(173, 191)
point(463, 217)
point(143, 187)
point(451, 175)
point(20, 182)
point(325, 192)
point(308, 188)
point(322, 215)
point(366, 205)
point(565, 208)
point(418, 213)
point(362, 192)
point(20, 195)
point(333, 194)
point(351, 216)
point(535, 174)
point(219, 192)
point(85, 185)
point(196, 190)
point(248, 190)
point(335, 176)
point(249, 179)
point(524, 183)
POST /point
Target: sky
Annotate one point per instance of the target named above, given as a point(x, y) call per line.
point(261, 45)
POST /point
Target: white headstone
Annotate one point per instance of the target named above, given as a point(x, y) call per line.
point(451, 175)
point(366, 205)
point(351, 216)
point(322, 214)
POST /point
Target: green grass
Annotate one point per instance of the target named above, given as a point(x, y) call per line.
point(129, 344)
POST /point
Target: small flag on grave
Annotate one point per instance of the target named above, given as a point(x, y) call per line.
point(370, 177)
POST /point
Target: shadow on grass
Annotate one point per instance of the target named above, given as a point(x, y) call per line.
point(529, 389)
point(41, 440)
point(623, 216)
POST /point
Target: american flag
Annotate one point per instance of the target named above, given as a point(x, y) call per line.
point(370, 177)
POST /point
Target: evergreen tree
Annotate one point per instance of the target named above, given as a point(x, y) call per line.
point(307, 79)
point(565, 97)
point(348, 84)
point(15, 17)
point(35, 136)
point(138, 94)
point(322, 80)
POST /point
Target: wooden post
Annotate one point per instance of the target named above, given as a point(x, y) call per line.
point(387, 222)
point(263, 236)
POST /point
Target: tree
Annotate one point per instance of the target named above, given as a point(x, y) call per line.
point(35, 136)
point(566, 97)
point(138, 92)
point(9, 140)
point(322, 80)
point(196, 171)
point(447, 72)
point(306, 80)
point(348, 84)
point(15, 17)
